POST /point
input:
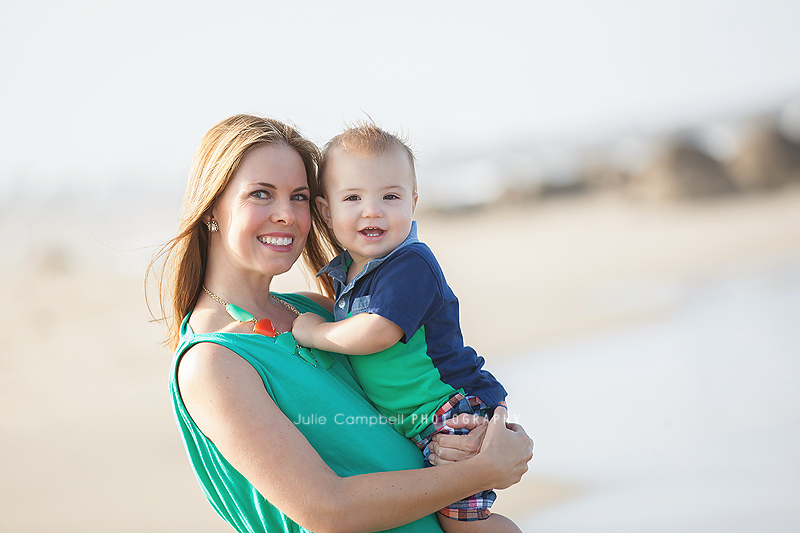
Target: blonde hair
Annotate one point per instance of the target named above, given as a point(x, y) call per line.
point(366, 138)
point(363, 138)
point(214, 164)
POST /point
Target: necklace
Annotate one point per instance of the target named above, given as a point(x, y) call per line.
point(266, 328)
point(263, 326)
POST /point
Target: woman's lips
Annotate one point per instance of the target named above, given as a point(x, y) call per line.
point(279, 241)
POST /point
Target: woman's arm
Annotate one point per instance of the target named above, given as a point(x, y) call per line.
point(227, 400)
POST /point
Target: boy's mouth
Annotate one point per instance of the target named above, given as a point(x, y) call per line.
point(372, 232)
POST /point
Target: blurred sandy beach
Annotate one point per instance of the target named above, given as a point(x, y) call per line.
point(582, 305)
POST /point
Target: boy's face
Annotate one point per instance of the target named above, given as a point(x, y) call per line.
point(369, 201)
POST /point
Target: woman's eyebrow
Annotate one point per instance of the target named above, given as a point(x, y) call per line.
point(274, 188)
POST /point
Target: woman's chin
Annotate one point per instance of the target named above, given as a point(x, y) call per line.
point(276, 268)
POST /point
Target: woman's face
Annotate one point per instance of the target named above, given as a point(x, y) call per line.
point(263, 213)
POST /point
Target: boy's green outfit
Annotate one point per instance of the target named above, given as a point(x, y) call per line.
point(430, 375)
point(331, 423)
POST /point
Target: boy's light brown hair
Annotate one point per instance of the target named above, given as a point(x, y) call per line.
point(365, 138)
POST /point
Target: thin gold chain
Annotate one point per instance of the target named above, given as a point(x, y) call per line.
point(217, 298)
point(287, 305)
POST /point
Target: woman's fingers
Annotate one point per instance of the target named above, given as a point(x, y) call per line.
point(453, 448)
point(448, 448)
point(509, 447)
point(519, 429)
point(504, 443)
point(467, 421)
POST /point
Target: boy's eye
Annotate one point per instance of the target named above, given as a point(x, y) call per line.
point(351, 198)
point(391, 196)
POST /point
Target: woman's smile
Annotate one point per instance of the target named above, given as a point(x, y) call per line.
point(279, 242)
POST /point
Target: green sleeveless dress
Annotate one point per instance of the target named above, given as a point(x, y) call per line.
point(326, 405)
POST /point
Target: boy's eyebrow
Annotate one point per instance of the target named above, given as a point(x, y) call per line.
point(356, 189)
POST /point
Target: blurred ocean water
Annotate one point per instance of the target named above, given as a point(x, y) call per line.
point(691, 423)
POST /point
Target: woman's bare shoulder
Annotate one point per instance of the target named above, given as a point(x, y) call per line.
point(216, 386)
point(207, 363)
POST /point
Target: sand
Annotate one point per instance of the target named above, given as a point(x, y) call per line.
point(87, 441)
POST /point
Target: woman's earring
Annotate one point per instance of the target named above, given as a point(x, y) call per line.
point(212, 225)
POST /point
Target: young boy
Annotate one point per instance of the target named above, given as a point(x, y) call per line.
point(395, 314)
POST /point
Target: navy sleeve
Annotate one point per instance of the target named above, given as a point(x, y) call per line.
point(407, 290)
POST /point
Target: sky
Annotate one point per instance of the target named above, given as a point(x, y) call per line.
point(102, 92)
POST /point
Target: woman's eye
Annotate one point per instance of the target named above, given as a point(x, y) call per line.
point(261, 195)
point(300, 197)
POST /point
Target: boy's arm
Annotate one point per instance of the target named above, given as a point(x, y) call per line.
point(362, 334)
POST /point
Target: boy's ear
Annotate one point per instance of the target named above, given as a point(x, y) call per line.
point(414, 203)
point(324, 210)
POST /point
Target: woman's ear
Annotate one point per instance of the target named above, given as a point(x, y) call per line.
point(324, 210)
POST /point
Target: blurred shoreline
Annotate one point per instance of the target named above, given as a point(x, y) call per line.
point(687, 422)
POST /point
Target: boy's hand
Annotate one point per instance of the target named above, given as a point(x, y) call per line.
point(303, 328)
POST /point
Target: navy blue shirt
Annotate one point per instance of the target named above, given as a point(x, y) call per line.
point(408, 287)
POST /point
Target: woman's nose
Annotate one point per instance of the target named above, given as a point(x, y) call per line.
point(284, 213)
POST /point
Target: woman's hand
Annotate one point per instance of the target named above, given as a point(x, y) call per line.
point(506, 450)
point(448, 448)
point(505, 445)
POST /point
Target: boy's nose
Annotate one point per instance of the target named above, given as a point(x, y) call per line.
point(371, 210)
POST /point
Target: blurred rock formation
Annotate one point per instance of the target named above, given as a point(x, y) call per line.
point(681, 172)
point(520, 193)
point(745, 154)
point(604, 177)
point(768, 160)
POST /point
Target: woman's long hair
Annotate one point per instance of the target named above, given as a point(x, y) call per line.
point(184, 257)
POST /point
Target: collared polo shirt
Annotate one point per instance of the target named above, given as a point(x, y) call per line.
point(409, 381)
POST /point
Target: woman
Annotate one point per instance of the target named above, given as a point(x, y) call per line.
point(280, 437)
